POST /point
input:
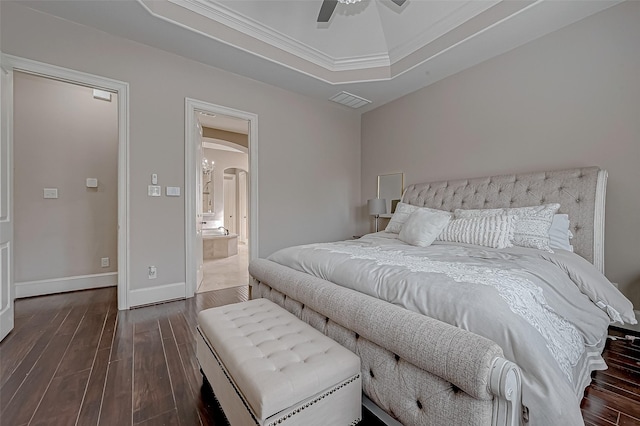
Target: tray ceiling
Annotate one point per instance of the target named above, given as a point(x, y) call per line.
point(373, 49)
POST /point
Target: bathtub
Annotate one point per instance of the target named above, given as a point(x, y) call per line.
point(217, 245)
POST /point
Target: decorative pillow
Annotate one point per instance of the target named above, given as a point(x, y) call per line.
point(559, 233)
point(532, 226)
point(422, 227)
point(494, 231)
point(402, 213)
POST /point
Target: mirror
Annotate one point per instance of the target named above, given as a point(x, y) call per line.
point(390, 188)
point(207, 186)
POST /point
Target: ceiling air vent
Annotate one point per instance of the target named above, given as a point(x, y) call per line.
point(346, 98)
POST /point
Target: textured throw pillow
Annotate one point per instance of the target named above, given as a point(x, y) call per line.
point(532, 226)
point(559, 233)
point(494, 231)
point(422, 227)
point(402, 213)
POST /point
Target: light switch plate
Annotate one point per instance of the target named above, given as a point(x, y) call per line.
point(50, 192)
point(173, 191)
point(155, 191)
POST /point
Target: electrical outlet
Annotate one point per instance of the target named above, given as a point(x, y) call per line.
point(104, 262)
point(153, 273)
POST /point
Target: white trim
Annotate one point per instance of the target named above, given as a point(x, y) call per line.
point(7, 319)
point(257, 30)
point(191, 169)
point(122, 90)
point(465, 12)
point(598, 221)
point(64, 284)
point(153, 295)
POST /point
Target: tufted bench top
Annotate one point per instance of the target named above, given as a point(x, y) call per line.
point(275, 359)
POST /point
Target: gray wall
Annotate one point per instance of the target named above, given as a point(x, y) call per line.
point(569, 99)
point(309, 171)
point(62, 135)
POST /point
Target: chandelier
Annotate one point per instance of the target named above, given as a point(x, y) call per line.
point(348, 1)
point(207, 167)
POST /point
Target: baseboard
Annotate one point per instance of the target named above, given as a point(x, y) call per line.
point(61, 285)
point(151, 295)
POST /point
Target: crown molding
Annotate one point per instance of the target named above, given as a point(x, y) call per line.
point(236, 21)
point(457, 18)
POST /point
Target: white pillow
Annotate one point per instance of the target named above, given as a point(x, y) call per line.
point(422, 227)
point(494, 231)
point(532, 226)
point(559, 233)
point(402, 213)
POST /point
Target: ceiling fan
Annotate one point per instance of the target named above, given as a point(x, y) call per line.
point(328, 6)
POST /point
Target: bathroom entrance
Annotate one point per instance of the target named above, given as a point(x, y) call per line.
point(225, 164)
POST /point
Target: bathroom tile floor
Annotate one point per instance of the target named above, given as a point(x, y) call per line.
point(228, 272)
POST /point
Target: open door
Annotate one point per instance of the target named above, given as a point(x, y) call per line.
point(6, 187)
point(199, 208)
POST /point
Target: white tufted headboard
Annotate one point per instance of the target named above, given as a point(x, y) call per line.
point(580, 192)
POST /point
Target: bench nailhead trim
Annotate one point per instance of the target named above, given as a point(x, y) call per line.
point(319, 398)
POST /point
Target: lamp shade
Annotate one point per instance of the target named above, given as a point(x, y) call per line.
point(377, 206)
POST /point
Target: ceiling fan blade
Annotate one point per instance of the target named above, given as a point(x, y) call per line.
point(399, 2)
point(328, 6)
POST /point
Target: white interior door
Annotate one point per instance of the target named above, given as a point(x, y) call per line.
point(6, 224)
point(230, 203)
point(242, 205)
point(199, 209)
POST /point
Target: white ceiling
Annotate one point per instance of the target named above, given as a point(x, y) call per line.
point(373, 49)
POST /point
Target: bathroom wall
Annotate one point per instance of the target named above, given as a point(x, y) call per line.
point(62, 135)
point(223, 160)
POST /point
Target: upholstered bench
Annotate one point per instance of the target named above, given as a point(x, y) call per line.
point(266, 367)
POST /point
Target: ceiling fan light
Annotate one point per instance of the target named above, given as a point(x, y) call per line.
point(348, 1)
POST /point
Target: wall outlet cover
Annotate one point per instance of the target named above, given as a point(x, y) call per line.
point(172, 191)
point(92, 183)
point(155, 191)
point(153, 273)
point(50, 192)
point(104, 262)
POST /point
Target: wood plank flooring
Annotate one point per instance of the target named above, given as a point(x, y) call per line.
point(613, 398)
point(73, 359)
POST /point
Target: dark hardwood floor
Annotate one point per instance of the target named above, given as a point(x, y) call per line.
point(73, 359)
point(613, 398)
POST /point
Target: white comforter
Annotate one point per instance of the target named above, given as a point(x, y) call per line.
point(534, 304)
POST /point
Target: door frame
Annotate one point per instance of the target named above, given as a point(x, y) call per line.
point(190, 179)
point(233, 224)
point(15, 63)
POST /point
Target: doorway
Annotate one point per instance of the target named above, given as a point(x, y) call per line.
point(11, 64)
point(201, 125)
point(65, 186)
point(225, 159)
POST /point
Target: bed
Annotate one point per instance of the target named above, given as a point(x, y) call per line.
point(450, 332)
